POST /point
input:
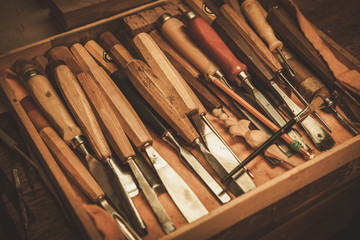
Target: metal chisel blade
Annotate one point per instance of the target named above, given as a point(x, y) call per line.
point(184, 198)
point(222, 160)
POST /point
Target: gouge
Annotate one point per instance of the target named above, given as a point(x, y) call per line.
point(239, 22)
point(288, 30)
point(67, 159)
point(114, 131)
point(185, 102)
point(187, 202)
point(149, 116)
point(208, 38)
point(58, 114)
point(175, 32)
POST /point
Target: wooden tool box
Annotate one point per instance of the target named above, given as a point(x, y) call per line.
point(286, 202)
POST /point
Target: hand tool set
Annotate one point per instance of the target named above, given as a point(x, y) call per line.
point(101, 106)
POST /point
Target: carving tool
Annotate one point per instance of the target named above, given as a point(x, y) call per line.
point(114, 131)
point(315, 103)
point(308, 84)
point(287, 29)
point(239, 22)
point(177, 28)
point(186, 103)
point(67, 159)
point(195, 80)
point(238, 71)
point(182, 195)
point(53, 107)
point(258, 21)
point(14, 146)
point(149, 116)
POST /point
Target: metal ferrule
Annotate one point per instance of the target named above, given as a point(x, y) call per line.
point(243, 76)
point(189, 15)
point(162, 19)
point(169, 138)
point(219, 75)
point(78, 143)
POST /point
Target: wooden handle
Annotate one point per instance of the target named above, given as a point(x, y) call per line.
point(242, 49)
point(257, 19)
point(288, 30)
point(108, 121)
point(76, 99)
point(239, 22)
point(130, 121)
point(49, 101)
point(170, 81)
point(71, 164)
point(113, 46)
point(142, 78)
point(166, 47)
point(206, 37)
point(174, 31)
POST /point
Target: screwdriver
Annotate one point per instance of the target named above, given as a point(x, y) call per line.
point(287, 29)
point(239, 22)
point(67, 159)
point(218, 155)
point(115, 133)
point(187, 202)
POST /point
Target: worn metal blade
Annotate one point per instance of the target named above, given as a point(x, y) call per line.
point(221, 159)
point(198, 169)
point(184, 198)
point(320, 137)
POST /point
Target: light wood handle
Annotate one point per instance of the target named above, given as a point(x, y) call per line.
point(239, 22)
point(144, 81)
point(50, 102)
point(257, 19)
point(81, 109)
point(103, 111)
point(170, 81)
point(68, 161)
point(130, 121)
point(174, 31)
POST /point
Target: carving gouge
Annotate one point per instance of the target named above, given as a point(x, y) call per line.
point(67, 159)
point(72, 82)
point(288, 30)
point(149, 116)
point(182, 195)
point(114, 131)
point(234, 69)
point(239, 22)
point(186, 103)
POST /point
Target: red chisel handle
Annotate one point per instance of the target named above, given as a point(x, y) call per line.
point(213, 45)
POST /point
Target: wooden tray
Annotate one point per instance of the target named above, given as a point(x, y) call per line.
point(248, 209)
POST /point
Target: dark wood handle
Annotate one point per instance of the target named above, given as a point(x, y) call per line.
point(242, 49)
point(289, 31)
point(206, 37)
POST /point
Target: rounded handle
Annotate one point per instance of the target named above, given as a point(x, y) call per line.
point(206, 37)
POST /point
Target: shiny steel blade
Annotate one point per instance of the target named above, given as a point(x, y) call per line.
point(221, 159)
point(160, 213)
point(321, 138)
point(201, 172)
point(184, 198)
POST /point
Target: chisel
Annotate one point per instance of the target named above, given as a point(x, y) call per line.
point(238, 72)
point(175, 33)
point(288, 30)
point(149, 116)
point(186, 102)
point(239, 22)
point(67, 159)
point(72, 82)
point(114, 131)
point(182, 195)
